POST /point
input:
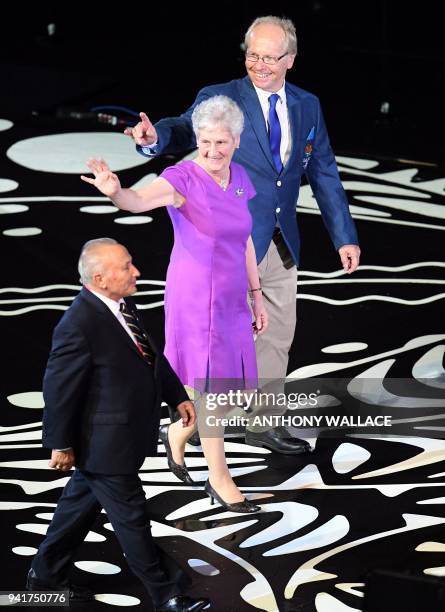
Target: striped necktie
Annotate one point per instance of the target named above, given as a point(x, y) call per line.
point(275, 131)
point(138, 334)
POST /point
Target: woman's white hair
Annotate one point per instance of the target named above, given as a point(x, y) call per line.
point(89, 261)
point(285, 24)
point(218, 111)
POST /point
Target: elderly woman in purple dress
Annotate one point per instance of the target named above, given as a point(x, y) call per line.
point(208, 328)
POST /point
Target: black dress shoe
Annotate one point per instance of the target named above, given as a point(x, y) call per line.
point(77, 593)
point(180, 471)
point(195, 440)
point(182, 603)
point(244, 507)
point(174, 416)
point(272, 440)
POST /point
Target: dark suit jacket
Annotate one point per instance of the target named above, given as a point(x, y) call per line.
point(277, 194)
point(101, 397)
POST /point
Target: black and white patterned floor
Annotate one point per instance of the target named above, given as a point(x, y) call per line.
point(361, 501)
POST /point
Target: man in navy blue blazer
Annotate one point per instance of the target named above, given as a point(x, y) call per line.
point(284, 137)
point(103, 387)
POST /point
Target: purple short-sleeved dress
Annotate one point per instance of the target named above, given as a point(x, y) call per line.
point(208, 324)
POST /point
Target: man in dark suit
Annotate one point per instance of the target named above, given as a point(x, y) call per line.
point(103, 387)
point(284, 137)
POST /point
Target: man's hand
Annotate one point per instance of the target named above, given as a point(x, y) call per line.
point(187, 413)
point(143, 133)
point(350, 257)
point(62, 460)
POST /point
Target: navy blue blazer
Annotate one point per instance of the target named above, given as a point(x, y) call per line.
point(101, 397)
point(311, 154)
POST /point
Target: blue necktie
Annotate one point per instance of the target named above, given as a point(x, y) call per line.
point(275, 131)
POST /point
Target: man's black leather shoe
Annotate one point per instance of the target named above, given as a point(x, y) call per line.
point(271, 439)
point(182, 603)
point(195, 440)
point(77, 593)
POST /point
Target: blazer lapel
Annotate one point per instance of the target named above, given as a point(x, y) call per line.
point(254, 112)
point(103, 310)
point(295, 126)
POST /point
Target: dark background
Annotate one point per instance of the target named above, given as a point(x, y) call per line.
point(355, 55)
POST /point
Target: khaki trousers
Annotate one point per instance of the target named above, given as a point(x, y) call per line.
point(279, 286)
point(280, 295)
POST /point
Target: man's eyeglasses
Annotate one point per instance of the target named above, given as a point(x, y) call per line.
point(267, 59)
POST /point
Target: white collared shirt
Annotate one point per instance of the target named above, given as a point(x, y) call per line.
point(115, 308)
point(281, 108)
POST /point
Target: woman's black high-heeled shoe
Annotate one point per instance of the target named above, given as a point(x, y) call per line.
point(180, 471)
point(244, 506)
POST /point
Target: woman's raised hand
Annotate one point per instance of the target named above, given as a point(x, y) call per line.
point(106, 181)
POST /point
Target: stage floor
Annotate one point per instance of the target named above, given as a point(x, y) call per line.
point(363, 500)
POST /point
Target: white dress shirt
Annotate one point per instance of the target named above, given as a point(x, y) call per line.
point(283, 117)
point(115, 308)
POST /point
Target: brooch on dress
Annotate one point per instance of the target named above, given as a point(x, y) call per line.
point(239, 192)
